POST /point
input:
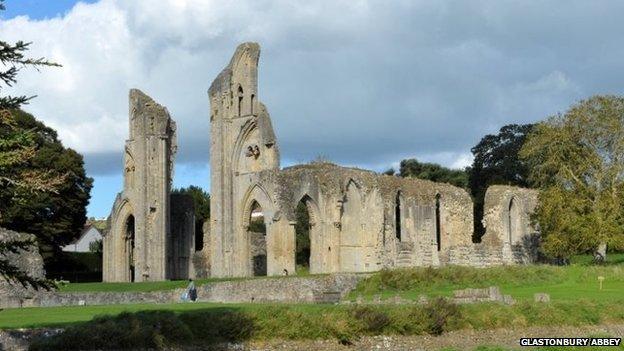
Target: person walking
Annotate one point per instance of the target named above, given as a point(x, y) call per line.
point(191, 291)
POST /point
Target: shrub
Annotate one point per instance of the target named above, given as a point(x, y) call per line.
point(440, 312)
point(374, 320)
point(153, 329)
point(219, 325)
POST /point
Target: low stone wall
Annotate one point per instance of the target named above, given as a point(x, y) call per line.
point(464, 296)
point(491, 294)
point(320, 289)
point(330, 288)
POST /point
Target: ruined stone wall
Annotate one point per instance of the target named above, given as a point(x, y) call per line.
point(242, 142)
point(353, 218)
point(507, 221)
point(201, 258)
point(137, 244)
point(360, 221)
point(181, 242)
point(28, 261)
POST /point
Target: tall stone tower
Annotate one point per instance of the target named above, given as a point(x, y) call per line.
point(242, 142)
point(138, 244)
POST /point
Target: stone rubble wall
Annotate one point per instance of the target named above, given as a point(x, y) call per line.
point(28, 261)
point(323, 289)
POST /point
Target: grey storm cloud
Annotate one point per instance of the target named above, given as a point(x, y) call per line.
point(359, 82)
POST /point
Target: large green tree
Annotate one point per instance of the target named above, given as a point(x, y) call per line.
point(201, 201)
point(496, 161)
point(432, 171)
point(55, 217)
point(18, 147)
point(577, 161)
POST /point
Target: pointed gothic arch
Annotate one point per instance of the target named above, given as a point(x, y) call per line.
point(257, 214)
point(307, 233)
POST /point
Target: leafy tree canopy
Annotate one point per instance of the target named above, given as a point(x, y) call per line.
point(434, 172)
point(55, 217)
point(201, 200)
point(577, 161)
point(496, 161)
point(17, 148)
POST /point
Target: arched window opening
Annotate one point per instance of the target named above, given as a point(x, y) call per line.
point(257, 238)
point(302, 236)
point(253, 97)
point(437, 222)
point(513, 224)
point(129, 238)
point(397, 215)
point(199, 235)
point(240, 99)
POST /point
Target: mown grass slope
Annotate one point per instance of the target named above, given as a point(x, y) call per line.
point(564, 283)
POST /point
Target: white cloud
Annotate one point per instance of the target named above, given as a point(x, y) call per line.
point(361, 82)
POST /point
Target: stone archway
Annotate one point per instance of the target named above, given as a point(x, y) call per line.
point(307, 236)
point(256, 234)
point(258, 215)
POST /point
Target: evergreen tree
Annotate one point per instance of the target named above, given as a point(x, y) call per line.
point(434, 172)
point(18, 147)
point(496, 161)
point(201, 202)
point(54, 217)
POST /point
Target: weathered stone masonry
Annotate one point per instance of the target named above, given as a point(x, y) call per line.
point(360, 221)
point(151, 232)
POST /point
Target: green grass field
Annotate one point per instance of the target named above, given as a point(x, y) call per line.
point(140, 286)
point(575, 300)
point(568, 283)
point(156, 286)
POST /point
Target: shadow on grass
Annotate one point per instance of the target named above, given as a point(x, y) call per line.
point(160, 329)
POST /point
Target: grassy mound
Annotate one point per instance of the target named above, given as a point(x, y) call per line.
point(569, 283)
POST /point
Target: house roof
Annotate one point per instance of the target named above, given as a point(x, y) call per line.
point(84, 232)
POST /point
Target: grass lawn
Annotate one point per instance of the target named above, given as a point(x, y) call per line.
point(187, 323)
point(161, 285)
point(139, 286)
point(568, 283)
point(59, 316)
point(575, 300)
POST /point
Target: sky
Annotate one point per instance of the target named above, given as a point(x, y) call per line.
point(360, 83)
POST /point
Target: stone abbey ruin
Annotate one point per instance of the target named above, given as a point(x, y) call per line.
point(359, 221)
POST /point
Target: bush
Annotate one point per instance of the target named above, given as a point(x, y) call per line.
point(218, 326)
point(374, 320)
point(440, 312)
point(153, 329)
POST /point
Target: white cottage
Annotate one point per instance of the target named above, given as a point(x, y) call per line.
point(88, 235)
